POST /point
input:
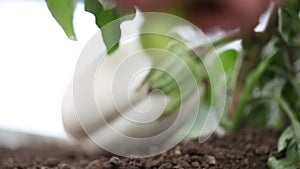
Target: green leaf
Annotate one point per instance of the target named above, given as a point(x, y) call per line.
point(289, 21)
point(109, 22)
point(62, 11)
point(228, 59)
point(290, 158)
point(286, 136)
point(154, 31)
point(273, 163)
point(108, 4)
point(258, 114)
point(291, 114)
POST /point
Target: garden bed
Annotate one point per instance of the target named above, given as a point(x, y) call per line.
point(245, 149)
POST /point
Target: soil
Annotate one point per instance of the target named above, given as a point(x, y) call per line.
point(246, 149)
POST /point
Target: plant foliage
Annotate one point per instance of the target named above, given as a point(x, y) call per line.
point(107, 18)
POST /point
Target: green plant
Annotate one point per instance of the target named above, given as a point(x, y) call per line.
point(266, 85)
point(104, 13)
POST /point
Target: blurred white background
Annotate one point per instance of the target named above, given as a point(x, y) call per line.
point(37, 61)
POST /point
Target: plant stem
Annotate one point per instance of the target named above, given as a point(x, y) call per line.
point(244, 97)
point(284, 105)
point(219, 42)
point(228, 38)
point(249, 75)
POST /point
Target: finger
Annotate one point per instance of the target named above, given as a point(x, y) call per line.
point(246, 12)
point(150, 5)
point(211, 20)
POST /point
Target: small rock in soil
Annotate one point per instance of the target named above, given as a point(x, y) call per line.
point(211, 160)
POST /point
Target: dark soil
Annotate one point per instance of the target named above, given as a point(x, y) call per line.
point(245, 149)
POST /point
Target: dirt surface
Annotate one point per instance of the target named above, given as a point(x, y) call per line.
point(245, 149)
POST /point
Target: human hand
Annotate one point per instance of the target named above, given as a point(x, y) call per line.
point(226, 14)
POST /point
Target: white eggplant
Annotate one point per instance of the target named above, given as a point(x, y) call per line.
point(106, 110)
point(127, 120)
